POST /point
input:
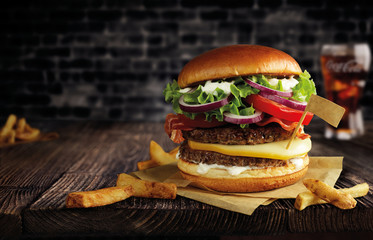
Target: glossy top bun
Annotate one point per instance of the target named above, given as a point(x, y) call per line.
point(237, 60)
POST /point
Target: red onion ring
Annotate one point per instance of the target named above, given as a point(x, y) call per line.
point(198, 108)
point(287, 102)
point(237, 119)
point(268, 90)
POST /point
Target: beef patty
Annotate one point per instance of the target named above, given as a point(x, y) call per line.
point(235, 135)
point(207, 157)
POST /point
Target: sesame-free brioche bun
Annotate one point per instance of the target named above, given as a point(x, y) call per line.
point(248, 181)
point(237, 60)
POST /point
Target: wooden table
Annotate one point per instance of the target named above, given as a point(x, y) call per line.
point(35, 179)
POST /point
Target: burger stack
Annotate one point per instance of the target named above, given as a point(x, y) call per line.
point(236, 108)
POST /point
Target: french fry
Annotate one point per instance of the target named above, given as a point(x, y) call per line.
point(11, 137)
point(159, 155)
point(147, 189)
point(99, 197)
point(306, 199)
point(329, 194)
point(21, 124)
point(15, 131)
point(29, 133)
point(10, 122)
point(146, 164)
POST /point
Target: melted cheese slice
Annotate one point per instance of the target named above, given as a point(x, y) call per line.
point(274, 150)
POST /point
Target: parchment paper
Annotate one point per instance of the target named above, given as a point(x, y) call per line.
point(326, 169)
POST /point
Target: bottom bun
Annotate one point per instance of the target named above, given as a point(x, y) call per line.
point(241, 182)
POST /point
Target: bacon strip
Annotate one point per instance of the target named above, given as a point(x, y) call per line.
point(174, 125)
point(301, 134)
point(286, 125)
point(177, 136)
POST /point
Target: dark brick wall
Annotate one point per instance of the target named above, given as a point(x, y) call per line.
point(110, 59)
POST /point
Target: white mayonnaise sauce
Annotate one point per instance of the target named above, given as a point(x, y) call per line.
point(177, 155)
point(287, 83)
point(298, 162)
point(235, 170)
point(211, 86)
point(185, 90)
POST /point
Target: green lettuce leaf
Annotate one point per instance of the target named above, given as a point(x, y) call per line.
point(239, 89)
point(261, 79)
point(305, 88)
point(279, 86)
point(301, 92)
point(171, 94)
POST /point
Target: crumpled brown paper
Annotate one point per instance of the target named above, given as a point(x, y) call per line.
point(326, 169)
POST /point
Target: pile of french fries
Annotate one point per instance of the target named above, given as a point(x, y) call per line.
point(128, 186)
point(14, 131)
point(321, 193)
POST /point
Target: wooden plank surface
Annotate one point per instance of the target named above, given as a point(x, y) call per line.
point(35, 179)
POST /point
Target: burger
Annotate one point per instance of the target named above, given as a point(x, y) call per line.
point(236, 108)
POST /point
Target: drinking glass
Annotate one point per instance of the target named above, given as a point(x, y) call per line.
point(345, 69)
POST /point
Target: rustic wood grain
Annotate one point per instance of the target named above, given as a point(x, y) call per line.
point(10, 224)
point(35, 179)
point(136, 221)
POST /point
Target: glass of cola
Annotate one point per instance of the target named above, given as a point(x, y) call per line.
point(345, 70)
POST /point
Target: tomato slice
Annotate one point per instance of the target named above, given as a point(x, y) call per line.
point(277, 110)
